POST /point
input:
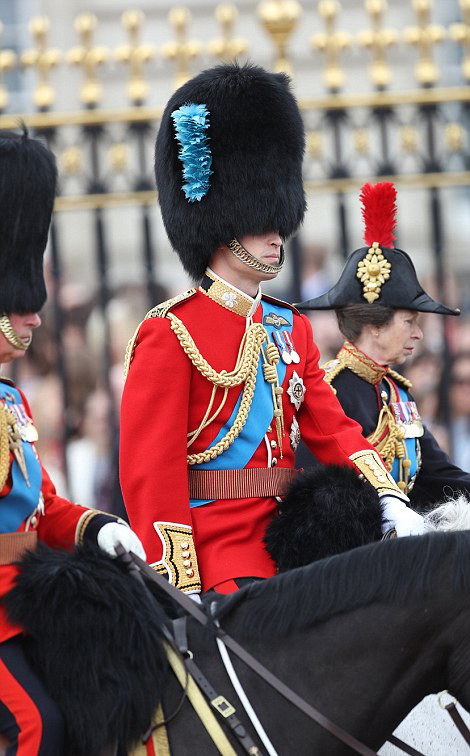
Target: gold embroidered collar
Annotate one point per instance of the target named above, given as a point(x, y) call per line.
point(227, 295)
point(365, 367)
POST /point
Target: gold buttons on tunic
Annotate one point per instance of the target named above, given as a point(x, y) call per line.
point(190, 573)
point(33, 521)
point(273, 444)
point(274, 462)
point(185, 545)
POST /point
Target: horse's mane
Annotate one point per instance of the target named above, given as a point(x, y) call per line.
point(397, 571)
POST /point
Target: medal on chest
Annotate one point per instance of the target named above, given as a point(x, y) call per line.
point(296, 390)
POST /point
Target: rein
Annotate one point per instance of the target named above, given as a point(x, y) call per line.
point(137, 566)
point(193, 610)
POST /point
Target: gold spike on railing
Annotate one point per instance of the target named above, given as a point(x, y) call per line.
point(88, 57)
point(378, 40)
point(280, 17)
point(461, 33)
point(331, 43)
point(43, 59)
point(7, 62)
point(135, 54)
point(227, 47)
point(181, 50)
point(424, 37)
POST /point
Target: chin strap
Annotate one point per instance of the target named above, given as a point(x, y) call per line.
point(11, 336)
point(246, 257)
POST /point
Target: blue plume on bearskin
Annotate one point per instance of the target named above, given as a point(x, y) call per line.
point(94, 638)
point(327, 510)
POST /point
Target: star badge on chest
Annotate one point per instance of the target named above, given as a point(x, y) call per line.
point(296, 390)
point(294, 434)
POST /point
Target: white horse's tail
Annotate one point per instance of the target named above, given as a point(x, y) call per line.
point(454, 514)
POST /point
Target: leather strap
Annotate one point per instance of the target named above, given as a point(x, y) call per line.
point(221, 705)
point(248, 483)
point(191, 608)
point(14, 545)
point(404, 746)
point(458, 721)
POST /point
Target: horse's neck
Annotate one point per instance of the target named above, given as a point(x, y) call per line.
point(365, 669)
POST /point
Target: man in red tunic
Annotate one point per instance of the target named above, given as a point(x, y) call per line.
point(30, 509)
point(221, 380)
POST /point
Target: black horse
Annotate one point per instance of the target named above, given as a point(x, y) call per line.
point(363, 636)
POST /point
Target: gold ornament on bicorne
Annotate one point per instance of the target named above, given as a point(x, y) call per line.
point(373, 270)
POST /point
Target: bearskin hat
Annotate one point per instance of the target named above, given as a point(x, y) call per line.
point(28, 178)
point(228, 161)
point(327, 510)
point(379, 273)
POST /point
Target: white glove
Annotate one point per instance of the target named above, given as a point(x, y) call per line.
point(397, 515)
point(195, 597)
point(114, 533)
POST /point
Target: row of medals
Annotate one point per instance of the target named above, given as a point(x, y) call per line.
point(23, 430)
point(286, 347)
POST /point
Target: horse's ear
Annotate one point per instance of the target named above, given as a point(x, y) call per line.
point(327, 510)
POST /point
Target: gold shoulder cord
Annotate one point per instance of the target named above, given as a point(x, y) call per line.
point(389, 440)
point(245, 371)
point(4, 448)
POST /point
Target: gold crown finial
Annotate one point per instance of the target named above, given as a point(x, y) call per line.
point(331, 43)
point(280, 18)
point(135, 54)
point(43, 59)
point(88, 57)
point(378, 40)
point(424, 37)
point(181, 50)
point(461, 33)
point(7, 62)
point(227, 47)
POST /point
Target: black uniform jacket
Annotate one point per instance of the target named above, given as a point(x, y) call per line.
point(363, 388)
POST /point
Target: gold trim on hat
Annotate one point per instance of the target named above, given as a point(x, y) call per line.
point(373, 270)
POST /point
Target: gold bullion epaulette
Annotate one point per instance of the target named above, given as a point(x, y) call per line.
point(280, 302)
point(159, 311)
point(332, 368)
point(399, 378)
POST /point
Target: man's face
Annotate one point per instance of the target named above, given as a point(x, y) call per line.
point(23, 325)
point(266, 248)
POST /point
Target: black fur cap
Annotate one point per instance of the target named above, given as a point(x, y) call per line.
point(28, 177)
point(93, 636)
point(327, 510)
point(256, 138)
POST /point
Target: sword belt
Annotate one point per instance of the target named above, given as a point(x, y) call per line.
point(14, 545)
point(249, 483)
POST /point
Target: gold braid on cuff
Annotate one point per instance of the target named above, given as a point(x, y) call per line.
point(239, 251)
point(11, 336)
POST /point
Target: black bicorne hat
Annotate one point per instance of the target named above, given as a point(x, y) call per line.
point(378, 273)
point(228, 161)
point(28, 177)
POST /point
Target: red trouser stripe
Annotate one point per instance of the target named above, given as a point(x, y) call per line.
point(25, 712)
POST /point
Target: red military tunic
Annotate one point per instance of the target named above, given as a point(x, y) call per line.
point(56, 521)
point(165, 398)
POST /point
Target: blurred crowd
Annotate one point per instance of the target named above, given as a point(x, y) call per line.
point(79, 446)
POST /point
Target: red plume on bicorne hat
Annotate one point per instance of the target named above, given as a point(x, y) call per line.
point(379, 210)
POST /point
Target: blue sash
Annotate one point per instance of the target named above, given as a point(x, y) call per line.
point(410, 448)
point(22, 500)
point(237, 456)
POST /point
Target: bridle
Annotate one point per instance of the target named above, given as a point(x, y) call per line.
point(138, 568)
